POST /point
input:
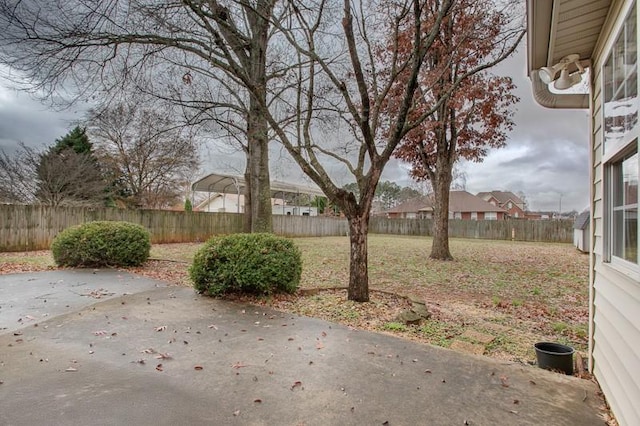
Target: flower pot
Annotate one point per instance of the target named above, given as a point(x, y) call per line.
point(555, 357)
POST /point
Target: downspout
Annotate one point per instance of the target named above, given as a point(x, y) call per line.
point(546, 98)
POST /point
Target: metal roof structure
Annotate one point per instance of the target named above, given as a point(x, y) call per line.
point(230, 184)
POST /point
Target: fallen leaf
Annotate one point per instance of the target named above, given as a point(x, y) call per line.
point(238, 365)
point(159, 367)
point(148, 351)
point(324, 334)
point(504, 379)
point(100, 333)
point(161, 328)
point(236, 413)
point(71, 369)
point(164, 356)
point(296, 384)
point(213, 326)
point(319, 345)
point(198, 367)
point(427, 371)
point(257, 401)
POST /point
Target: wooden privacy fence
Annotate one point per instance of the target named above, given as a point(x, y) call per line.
point(553, 231)
point(33, 227)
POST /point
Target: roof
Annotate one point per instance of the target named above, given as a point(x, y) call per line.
point(413, 205)
point(582, 221)
point(502, 196)
point(463, 201)
point(230, 184)
point(459, 201)
point(557, 28)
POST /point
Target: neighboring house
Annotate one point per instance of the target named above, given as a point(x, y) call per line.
point(462, 205)
point(234, 203)
point(604, 36)
point(414, 208)
point(581, 232)
point(466, 206)
point(535, 216)
point(507, 200)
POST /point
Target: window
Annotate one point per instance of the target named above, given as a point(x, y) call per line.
point(474, 215)
point(620, 79)
point(624, 206)
point(620, 146)
point(509, 205)
point(491, 215)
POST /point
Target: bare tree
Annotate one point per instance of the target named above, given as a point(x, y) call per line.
point(147, 155)
point(56, 177)
point(341, 74)
point(94, 48)
point(69, 178)
point(17, 175)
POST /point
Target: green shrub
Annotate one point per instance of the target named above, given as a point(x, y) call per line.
point(246, 263)
point(95, 244)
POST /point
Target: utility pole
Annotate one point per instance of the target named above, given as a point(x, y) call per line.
point(560, 207)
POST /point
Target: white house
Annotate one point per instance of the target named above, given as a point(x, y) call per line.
point(565, 36)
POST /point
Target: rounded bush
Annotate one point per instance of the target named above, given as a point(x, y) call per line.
point(102, 243)
point(246, 263)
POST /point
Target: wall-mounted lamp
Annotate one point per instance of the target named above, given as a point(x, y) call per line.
point(566, 79)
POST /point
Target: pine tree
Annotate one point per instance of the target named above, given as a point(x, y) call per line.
point(76, 139)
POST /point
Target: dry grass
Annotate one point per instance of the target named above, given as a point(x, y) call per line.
point(518, 292)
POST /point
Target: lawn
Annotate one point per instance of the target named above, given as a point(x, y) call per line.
point(519, 293)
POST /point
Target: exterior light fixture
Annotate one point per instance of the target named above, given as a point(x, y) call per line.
point(566, 79)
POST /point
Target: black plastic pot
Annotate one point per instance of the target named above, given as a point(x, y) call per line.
point(555, 357)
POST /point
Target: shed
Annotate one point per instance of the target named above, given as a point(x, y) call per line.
point(581, 232)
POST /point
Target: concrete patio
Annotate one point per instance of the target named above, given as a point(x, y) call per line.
point(103, 347)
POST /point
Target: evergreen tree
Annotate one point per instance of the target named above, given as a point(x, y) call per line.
point(76, 139)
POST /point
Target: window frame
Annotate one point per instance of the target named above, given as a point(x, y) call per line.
point(614, 152)
point(490, 215)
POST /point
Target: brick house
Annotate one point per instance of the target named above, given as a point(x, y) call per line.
point(462, 205)
point(507, 200)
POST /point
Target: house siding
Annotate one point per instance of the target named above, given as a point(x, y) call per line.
point(616, 296)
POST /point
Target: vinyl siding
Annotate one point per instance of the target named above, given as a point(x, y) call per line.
point(616, 296)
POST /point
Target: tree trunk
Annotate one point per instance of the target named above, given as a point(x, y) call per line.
point(246, 220)
point(258, 127)
point(260, 203)
point(358, 265)
point(441, 186)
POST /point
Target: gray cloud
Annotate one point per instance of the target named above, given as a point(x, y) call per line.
point(23, 119)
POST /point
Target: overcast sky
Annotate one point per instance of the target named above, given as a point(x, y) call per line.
point(546, 155)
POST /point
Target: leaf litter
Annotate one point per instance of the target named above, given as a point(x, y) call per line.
point(518, 292)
